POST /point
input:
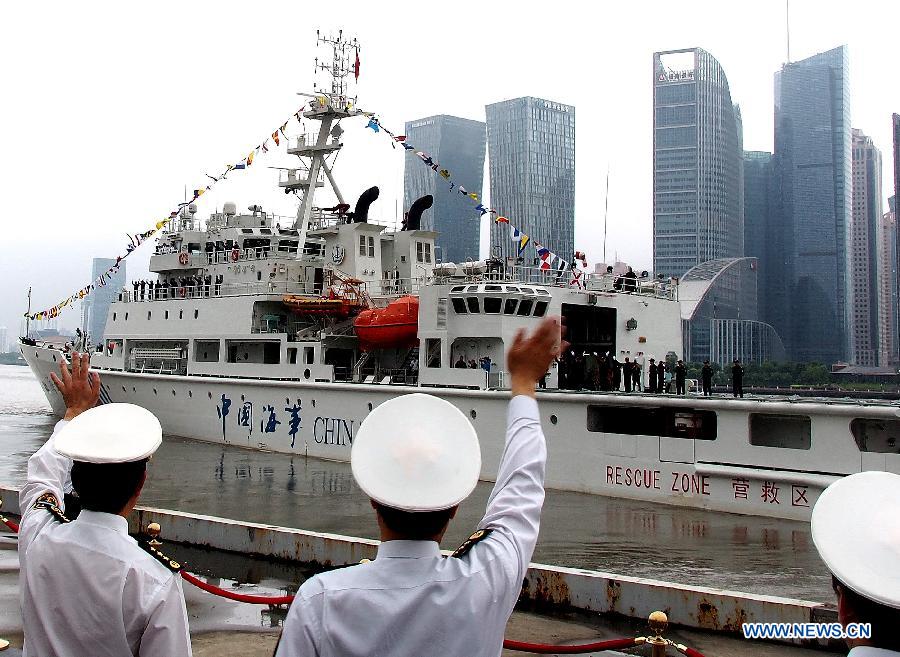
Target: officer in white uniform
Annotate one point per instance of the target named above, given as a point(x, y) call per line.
point(88, 588)
point(856, 529)
point(417, 457)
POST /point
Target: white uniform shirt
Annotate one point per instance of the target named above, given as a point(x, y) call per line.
point(410, 601)
point(88, 589)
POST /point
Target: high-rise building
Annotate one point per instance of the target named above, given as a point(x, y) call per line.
point(458, 145)
point(758, 217)
point(896, 131)
point(4, 340)
point(531, 160)
point(811, 245)
point(866, 222)
point(698, 205)
point(888, 347)
point(95, 306)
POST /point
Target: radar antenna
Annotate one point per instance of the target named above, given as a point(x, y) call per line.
point(328, 108)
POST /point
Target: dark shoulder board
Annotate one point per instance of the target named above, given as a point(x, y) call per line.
point(49, 502)
point(171, 564)
point(470, 542)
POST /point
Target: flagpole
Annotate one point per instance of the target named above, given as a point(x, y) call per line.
point(28, 315)
point(605, 213)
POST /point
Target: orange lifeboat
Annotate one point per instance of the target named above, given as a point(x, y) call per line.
point(394, 326)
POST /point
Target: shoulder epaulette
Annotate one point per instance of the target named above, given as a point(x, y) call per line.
point(49, 502)
point(470, 542)
point(171, 564)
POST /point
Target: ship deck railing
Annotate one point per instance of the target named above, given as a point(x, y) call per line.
point(660, 288)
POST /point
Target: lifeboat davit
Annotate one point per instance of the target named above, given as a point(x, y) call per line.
point(393, 326)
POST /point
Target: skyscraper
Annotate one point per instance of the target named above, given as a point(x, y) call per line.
point(95, 306)
point(758, 217)
point(531, 160)
point(698, 205)
point(896, 131)
point(4, 340)
point(866, 238)
point(458, 145)
point(812, 169)
point(888, 347)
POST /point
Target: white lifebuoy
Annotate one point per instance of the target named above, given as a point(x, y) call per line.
point(183, 258)
point(235, 255)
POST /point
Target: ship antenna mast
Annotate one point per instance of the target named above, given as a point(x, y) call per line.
point(328, 108)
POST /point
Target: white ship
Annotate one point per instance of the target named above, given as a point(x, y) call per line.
point(282, 335)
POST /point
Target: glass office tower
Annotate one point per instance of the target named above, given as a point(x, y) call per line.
point(458, 145)
point(95, 306)
point(531, 160)
point(698, 205)
point(812, 169)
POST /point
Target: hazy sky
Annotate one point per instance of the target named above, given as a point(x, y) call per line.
point(109, 110)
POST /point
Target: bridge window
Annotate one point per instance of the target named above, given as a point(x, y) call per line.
point(665, 422)
point(881, 436)
point(525, 307)
point(540, 308)
point(509, 308)
point(786, 431)
point(492, 305)
point(459, 305)
point(472, 303)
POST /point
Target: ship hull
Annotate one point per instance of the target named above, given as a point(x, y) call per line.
point(320, 420)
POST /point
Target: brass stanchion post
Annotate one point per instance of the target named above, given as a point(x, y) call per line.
point(658, 622)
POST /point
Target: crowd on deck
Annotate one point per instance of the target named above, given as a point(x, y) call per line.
point(605, 373)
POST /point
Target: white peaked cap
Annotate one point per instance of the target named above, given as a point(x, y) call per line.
point(110, 433)
point(856, 529)
point(416, 453)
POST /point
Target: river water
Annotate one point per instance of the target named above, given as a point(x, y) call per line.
point(702, 548)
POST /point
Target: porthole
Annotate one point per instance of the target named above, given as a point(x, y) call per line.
point(173, 393)
point(154, 391)
point(313, 403)
point(190, 393)
point(114, 316)
point(209, 394)
point(196, 313)
point(126, 317)
point(242, 398)
point(167, 314)
point(54, 358)
point(148, 315)
point(180, 314)
point(369, 405)
point(553, 419)
point(306, 374)
point(133, 389)
point(473, 414)
point(287, 401)
point(123, 389)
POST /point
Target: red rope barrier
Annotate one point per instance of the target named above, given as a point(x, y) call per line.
point(545, 649)
point(238, 597)
point(9, 523)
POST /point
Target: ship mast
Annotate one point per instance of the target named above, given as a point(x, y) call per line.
point(328, 108)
